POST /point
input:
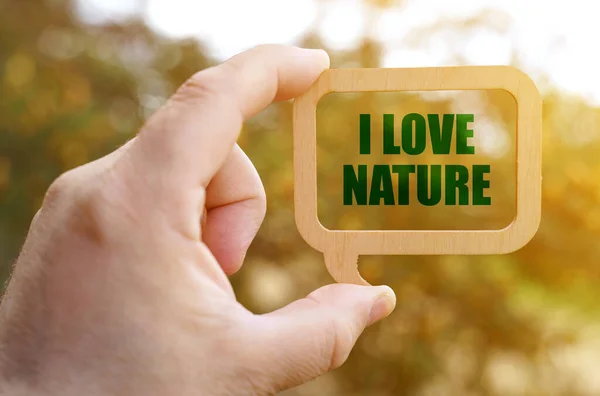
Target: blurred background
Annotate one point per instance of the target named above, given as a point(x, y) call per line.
point(78, 78)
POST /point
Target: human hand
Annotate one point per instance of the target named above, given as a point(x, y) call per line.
point(121, 287)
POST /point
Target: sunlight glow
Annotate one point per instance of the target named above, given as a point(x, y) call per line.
point(556, 42)
point(230, 26)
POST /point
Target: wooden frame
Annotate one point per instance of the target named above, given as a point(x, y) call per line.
point(342, 248)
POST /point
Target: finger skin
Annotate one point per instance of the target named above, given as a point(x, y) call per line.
point(236, 206)
point(107, 299)
point(185, 144)
point(193, 134)
point(314, 335)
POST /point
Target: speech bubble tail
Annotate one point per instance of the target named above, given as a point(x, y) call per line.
point(343, 267)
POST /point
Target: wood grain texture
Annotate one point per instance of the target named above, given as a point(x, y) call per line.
point(342, 248)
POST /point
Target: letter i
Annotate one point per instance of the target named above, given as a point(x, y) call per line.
point(365, 133)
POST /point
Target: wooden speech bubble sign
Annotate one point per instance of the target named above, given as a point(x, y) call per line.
point(342, 248)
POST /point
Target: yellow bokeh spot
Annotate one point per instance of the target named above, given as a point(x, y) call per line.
point(597, 194)
point(554, 188)
point(592, 219)
point(77, 92)
point(19, 71)
point(42, 105)
point(577, 172)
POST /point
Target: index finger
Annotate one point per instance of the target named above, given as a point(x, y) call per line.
point(186, 142)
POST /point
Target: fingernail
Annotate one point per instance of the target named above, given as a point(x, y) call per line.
point(383, 306)
point(321, 55)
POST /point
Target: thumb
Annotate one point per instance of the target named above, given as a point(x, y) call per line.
point(314, 335)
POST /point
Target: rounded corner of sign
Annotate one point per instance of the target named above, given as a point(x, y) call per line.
point(312, 231)
point(524, 77)
point(524, 84)
point(321, 94)
point(519, 233)
point(324, 230)
point(518, 245)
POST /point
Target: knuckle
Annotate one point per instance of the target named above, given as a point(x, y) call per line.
point(210, 84)
point(61, 188)
point(337, 339)
point(91, 215)
point(83, 209)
